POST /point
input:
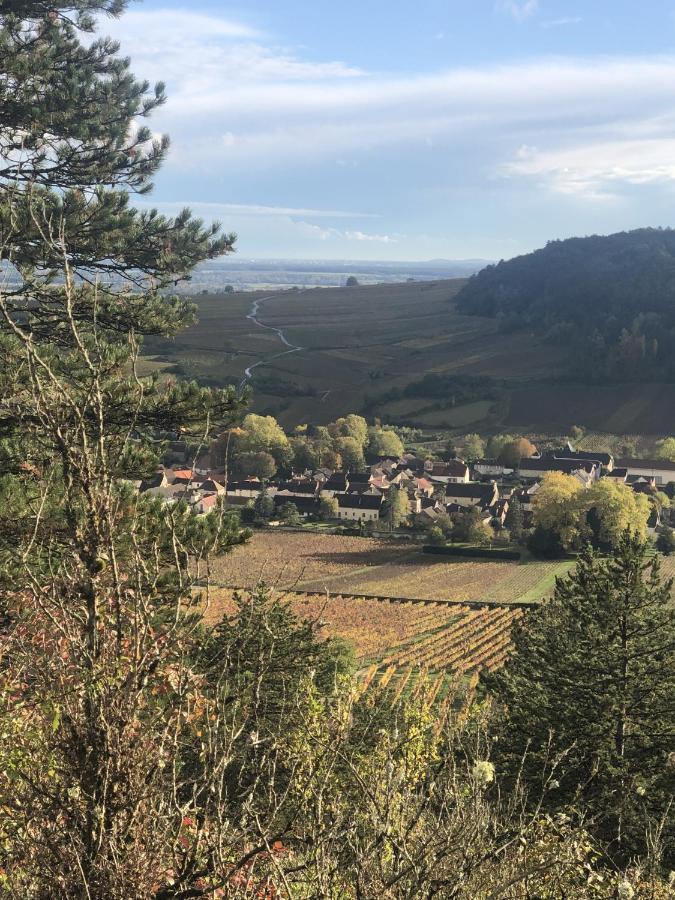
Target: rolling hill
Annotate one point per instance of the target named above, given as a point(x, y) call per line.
point(448, 354)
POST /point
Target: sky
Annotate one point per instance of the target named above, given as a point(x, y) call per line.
point(400, 130)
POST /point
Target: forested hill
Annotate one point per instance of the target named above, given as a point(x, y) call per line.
point(610, 300)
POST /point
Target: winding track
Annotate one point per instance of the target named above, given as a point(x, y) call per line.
point(264, 360)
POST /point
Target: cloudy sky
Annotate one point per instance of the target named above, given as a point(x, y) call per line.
point(399, 130)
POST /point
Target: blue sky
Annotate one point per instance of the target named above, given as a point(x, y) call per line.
point(399, 130)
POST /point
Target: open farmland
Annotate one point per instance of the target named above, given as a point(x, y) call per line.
point(358, 344)
point(403, 611)
point(354, 565)
point(362, 347)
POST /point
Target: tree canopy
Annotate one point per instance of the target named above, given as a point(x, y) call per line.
point(609, 301)
point(599, 514)
point(385, 442)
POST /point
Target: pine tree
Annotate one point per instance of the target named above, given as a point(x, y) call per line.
point(590, 698)
point(98, 584)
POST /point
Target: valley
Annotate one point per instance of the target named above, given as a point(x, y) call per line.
point(313, 355)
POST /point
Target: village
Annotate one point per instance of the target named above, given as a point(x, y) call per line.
point(484, 501)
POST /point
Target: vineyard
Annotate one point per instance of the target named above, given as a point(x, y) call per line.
point(356, 566)
point(394, 640)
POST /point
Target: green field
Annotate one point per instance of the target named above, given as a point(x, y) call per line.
point(358, 344)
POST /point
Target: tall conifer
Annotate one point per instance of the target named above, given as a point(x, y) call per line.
point(590, 698)
point(97, 696)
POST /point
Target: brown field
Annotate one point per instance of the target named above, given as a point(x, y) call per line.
point(353, 565)
point(618, 409)
point(360, 343)
point(386, 599)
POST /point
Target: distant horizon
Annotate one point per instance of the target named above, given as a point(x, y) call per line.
point(388, 263)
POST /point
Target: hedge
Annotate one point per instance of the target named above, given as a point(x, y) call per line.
point(476, 552)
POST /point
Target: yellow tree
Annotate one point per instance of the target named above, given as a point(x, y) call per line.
point(613, 509)
point(665, 448)
point(557, 507)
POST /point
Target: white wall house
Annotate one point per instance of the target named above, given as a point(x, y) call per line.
point(455, 471)
point(661, 470)
point(475, 493)
point(359, 507)
point(491, 467)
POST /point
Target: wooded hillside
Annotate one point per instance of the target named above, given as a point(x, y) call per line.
point(609, 300)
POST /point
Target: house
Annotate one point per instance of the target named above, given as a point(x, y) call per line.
point(359, 507)
point(413, 463)
point(454, 471)
point(606, 460)
point(491, 467)
point(210, 486)
point(299, 487)
point(499, 512)
point(424, 487)
point(306, 506)
point(172, 493)
point(205, 503)
point(361, 483)
point(538, 466)
point(661, 470)
point(618, 474)
point(337, 483)
point(429, 515)
point(475, 493)
point(643, 485)
point(401, 477)
point(183, 475)
point(248, 490)
point(384, 468)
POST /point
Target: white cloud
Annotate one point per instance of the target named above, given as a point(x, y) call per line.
point(282, 123)
point(565, 20)
point(239, 104)
point(377, 238)
point(253, 209)
point(195, 51)
point(596, 169)
point(519, 9)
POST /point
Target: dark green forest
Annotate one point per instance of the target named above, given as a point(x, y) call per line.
point(609, 299)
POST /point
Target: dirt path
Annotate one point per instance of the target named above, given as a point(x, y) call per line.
point(264, 360)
